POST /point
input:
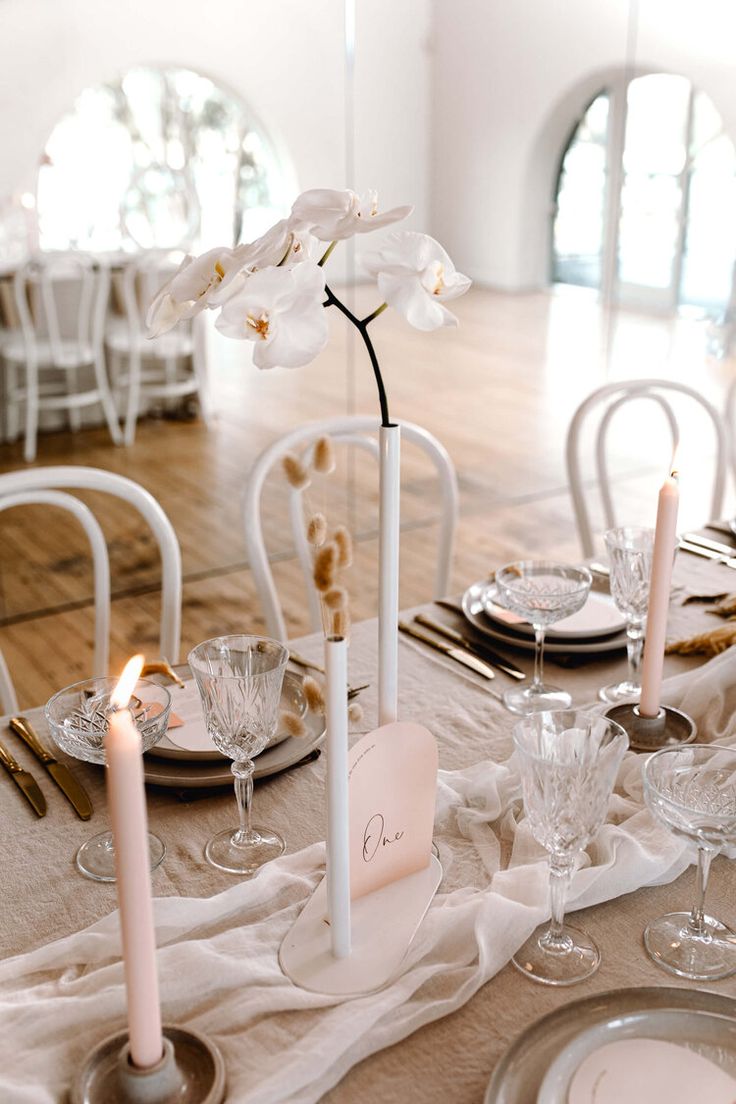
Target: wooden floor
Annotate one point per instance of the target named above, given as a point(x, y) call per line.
point(499, 392)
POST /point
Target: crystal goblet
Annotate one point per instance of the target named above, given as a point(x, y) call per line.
point(239, 679)
point(77, 718)
point(542, 593)
point(630, 552)
point(569, 760)
point(692, 790)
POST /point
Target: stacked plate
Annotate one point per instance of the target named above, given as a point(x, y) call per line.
point(634, 1045)
point(597, 627)
point(186, 758)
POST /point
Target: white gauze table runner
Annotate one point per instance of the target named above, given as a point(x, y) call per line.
point(218, 956)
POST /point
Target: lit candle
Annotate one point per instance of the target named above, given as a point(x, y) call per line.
point(127, 801)
point(665, 541)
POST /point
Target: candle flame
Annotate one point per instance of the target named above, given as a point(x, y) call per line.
point(122, 693)
point(674, 470)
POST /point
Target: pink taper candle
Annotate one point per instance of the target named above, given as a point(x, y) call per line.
point(127, 801)
point(665, 541)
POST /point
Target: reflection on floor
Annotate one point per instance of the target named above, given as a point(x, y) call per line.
point(499, 393)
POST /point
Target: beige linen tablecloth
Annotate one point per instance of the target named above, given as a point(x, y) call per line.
point(449, 1059)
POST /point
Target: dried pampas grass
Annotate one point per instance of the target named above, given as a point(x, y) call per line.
point(314, 695)
point(336, 598)
point(726, 607)
point(344, 543)
point(708, 643)
point(317, 530)
point(293, 724)
point(325, 563)
point(295, 472)
point(355, 712)
point(341, 623)
point(323, 458)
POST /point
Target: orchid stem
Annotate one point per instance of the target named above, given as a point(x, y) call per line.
point(326, 255)
point(374, 314)
point(362, 328)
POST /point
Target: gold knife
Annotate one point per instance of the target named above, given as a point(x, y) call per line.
point(486, 654)
point(468, 660)
point(707, 553)
point(25, 782)
point(73, 790)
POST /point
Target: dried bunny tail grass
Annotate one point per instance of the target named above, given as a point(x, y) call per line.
point(323, 457)
point(708, 643)
point(336, 598)
point(314, 695)
point(295, 472)
point(293, 724)
point(341, 623)
point(317, 530)
point(344, 543)
point(325, 563)
point(726, 607)
point(355, 712)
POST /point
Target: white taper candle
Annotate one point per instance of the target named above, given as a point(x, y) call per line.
point(388, 573)
point(338, 805)
point(665, 541)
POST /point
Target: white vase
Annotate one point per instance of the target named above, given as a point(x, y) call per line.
point(388, 573)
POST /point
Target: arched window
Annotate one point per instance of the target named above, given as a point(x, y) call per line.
point(163, 158)
point(646, 198)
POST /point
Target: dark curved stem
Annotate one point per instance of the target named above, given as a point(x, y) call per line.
point(361, 326)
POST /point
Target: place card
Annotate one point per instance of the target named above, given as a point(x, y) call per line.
point(392, 775)
point(642, 1071)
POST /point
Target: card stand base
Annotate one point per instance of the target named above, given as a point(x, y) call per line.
point(383, 924)
point(191, 1071)
point(670, 728)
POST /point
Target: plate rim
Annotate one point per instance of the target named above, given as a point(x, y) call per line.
point(553, 635)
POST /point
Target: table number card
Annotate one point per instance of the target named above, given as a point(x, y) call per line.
point(393, 784)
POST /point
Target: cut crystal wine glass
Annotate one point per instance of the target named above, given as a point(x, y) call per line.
point(568, 760)
point(692, 790)
point(239, 680)
point(542, 593)
point(630, 552)
point(78, 718)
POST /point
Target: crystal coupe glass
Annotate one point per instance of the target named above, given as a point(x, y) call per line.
point(542, 593)
point(692, 791)
point(239, 680)
point(77, 718)
point(630, 552)
point(568, 761)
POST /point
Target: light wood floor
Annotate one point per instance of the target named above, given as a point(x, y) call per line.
point(499, 392)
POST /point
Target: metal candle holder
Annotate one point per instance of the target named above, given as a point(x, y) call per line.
point(670, 728)
point(191, 1071)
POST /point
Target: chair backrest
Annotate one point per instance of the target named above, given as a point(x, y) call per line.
point(139, 282)
point(39, 486)
point(357, 430)
point(61, 299)
point(611, 398)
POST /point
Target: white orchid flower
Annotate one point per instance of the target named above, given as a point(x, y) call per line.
point(333, 215)
point(280, 310)
point(414, 275)
point(199, 282)
point(281, 245)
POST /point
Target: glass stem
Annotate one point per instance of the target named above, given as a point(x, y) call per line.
point(538, 680)
point(243, 775)
point(560, 872)
point(696, 922)
point(634, 643)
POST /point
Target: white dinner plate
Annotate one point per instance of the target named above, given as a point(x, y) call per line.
point(521, 1072)
point(192, 743)
point(598, 618)
point(475, 613)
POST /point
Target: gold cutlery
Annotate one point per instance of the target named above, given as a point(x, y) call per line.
point(25, 782)
point(475, 648)
point(465, 658)
point(72, 789)
point(708, 553)
point(713, 546)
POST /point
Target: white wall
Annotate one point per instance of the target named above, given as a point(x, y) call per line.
point(510, 80)
point(285, 58)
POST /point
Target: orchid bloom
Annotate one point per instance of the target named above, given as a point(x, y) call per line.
point(332, 215)
point(414, 275)
point(282, 244)
point(280, 310)
point(199, 282)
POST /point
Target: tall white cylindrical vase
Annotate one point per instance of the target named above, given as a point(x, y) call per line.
point(338, 819)
point(388, 573)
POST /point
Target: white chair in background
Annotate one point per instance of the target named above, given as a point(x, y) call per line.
point(61, 303)
point(175, 363)
point(41, 487)
point(357, 430)
point(606, 401)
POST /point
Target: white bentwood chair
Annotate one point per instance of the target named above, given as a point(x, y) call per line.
point(360, 431)
point(146, 368)
point(607, 401)
point(42, 487)
point(61, 302)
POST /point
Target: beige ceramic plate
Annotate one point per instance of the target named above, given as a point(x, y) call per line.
point(519, 1075)
point(598, 618)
